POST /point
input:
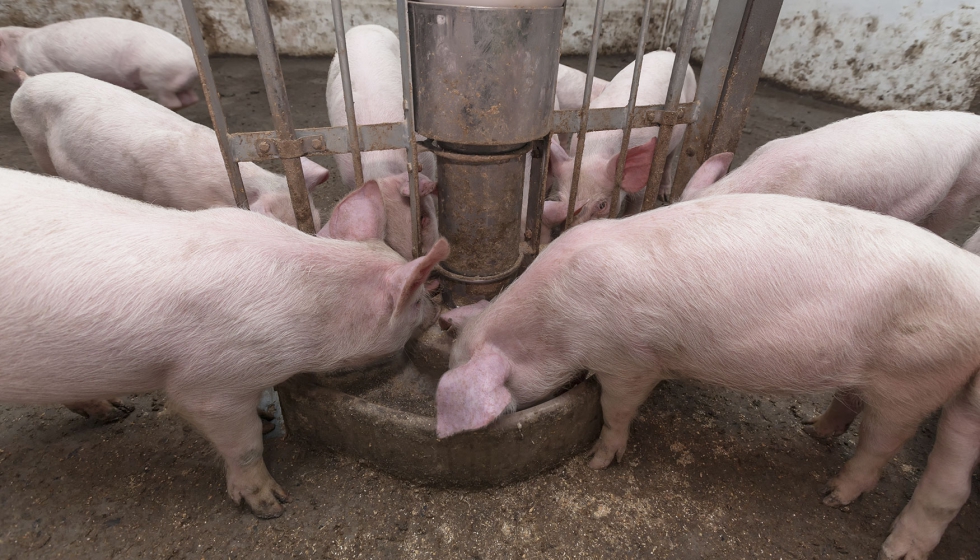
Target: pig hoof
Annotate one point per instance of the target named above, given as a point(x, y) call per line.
point(266, 503)
point(821, 431)
point(103, 411)
point(603, 455)
point(267, 426)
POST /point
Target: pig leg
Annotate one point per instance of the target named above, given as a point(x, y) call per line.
point(945, 484)
point(232, 425)
point(105, 412)
point(837, 418)
point(884, 429)
point(621, 398)
point(168, 99)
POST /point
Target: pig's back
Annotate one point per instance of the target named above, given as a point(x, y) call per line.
point(108, 49)
point(900, 163)
point(104, 290)
point(777, 293)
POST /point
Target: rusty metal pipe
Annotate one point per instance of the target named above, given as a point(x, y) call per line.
point(584, 112)
point(677, 75)
point(213, 101)
point(290, 149)
point(412, 148)
point(352, 134)
point(630, 111)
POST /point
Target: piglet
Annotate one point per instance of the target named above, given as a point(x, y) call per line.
point(744, 292)
point(126, 53)
point(923, 167)
point(602, 148)
point(113, 139)
point(105, 296)
point(376, 81)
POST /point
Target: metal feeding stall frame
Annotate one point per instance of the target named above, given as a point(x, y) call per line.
point(478, 168)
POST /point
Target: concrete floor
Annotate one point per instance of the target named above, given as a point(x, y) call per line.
point(708, 474)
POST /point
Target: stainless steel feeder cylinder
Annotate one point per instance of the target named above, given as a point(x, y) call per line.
point(484, 76)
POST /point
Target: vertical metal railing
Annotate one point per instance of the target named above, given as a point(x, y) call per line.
point(213, 101)
point(584, 113)
point(353, 138)
point(412, 148)
point(630, 111)
point(677, 76)
point(290, 149)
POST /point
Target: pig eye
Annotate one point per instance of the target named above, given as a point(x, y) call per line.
point(603, 204)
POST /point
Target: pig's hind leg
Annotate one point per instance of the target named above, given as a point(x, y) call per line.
point(837, 418)
point(945, 484)
point(232, 425)
point(621, 397)
point(886, 425)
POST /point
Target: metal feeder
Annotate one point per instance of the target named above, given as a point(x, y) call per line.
point(479, 84)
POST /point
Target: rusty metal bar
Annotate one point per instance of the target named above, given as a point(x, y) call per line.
point(352, 139)
point(677, 76)
point(631, 110)
point(412, 144)
point(290, 149)
point(536, 195)
point(743, 75)
point(714, 73)
point(213, 101)
point(584, 112)
point(244, 146)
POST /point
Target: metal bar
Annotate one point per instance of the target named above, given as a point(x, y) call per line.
point(412, 144)
point(677, 76)
point(743, 75)
point(584, 112)
point(352, 139)
point(631, 110)
point(536, 195)
point(711, 82)
point(275, 89)
point(213, 101)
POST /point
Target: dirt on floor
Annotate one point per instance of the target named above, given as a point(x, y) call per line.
point(708, 474)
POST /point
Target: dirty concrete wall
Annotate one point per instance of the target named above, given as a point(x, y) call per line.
point(879, 54)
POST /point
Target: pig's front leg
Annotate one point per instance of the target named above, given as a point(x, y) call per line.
point(621, 397)
point(104, 411)
point(837, 418)
point(945, 484)
point(232, 425)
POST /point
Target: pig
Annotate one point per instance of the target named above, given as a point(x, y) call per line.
point(922, 167)
point(376, 82)
point(104, 136)
point(105, 296)
point(570, 88)
point(601, 154)
point(743, 292)
point(126, 53)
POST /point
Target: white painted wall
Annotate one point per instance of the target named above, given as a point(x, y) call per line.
point(879, 54)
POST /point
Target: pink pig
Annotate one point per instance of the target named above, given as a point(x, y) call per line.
point(602, 147)
point(743, 292)
point(107, 137)
point(105, 296)
point(376, 81)
point(923, 167)
point(126, 53)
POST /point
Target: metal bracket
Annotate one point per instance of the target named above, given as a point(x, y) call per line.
point(286, 149)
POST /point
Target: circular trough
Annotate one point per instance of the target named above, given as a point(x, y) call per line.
point(325, 409)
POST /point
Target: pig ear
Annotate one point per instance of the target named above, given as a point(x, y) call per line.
point(713, 168)
point(360, 216)
point(262, 205)
point(558, 156)
point(554, 212)
point(407, 280)
point(637, 168)
point(426, 186)
point(472, 395)
point(314, 173)
point(598, 86)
